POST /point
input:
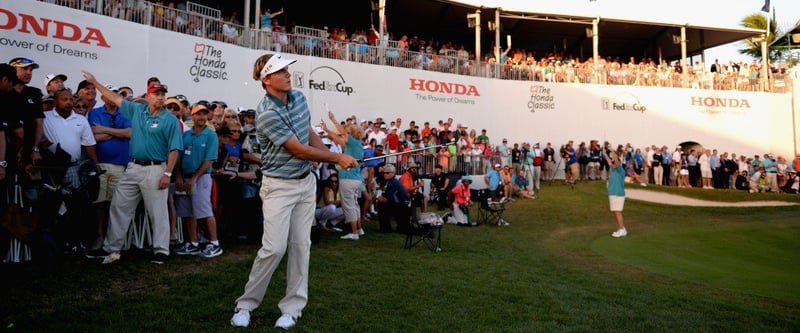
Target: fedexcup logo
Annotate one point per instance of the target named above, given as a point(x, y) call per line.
point(327, 78)
point(623, 102)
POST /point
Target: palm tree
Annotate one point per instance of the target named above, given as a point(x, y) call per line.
point(758, 21)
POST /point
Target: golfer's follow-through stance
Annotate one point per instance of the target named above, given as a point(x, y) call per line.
point(288, 144)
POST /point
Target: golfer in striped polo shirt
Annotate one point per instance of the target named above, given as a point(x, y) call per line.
point(288, 145)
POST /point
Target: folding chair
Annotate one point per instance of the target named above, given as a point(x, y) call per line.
point(426, 228)
point(490, 211)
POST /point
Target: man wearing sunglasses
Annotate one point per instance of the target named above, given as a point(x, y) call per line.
point(112, 132)
point(174, 106)
point(29, 118)
point(155, 142)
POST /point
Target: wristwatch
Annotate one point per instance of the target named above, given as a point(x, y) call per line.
point(3, 164)
point(35, 149)
point(168, 174)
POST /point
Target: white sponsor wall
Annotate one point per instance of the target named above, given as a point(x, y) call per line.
point(65, 41)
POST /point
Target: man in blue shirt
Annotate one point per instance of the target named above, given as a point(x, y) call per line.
point(113, 134)
point(492, 180)
point(193, 178)
point(155, 142)
point(393, 203)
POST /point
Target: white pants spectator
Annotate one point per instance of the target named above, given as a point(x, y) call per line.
point(459, 215)
point(329, 213)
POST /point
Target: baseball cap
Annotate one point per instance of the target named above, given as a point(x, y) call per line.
point(84, 84)
point(497, 165)
point(154, 87)
point(275, 63)
point(51, 77)
point(172, 100)
point(182, 99)
point(383, 126)
point(23, 62)
point(466, 179)
point(199, 108)
point(9, 72)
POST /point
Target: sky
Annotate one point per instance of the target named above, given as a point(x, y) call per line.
point(716, 13)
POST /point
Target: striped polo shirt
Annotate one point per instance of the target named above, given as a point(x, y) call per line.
point(276, 123)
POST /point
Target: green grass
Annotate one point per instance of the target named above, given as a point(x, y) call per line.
point(556, 268)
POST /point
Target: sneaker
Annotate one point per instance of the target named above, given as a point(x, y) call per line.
point(285, 322)
point(241, 318)
point(336, 229)
point(211, 251)
point(97, 254)
point(361, 232)
point(187, 249)
point(350, 236)
point(159, 258)
point(112, 257)
point(619, 233)
point(643, 184)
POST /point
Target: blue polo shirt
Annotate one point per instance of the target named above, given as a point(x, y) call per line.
point(616, 181)
point(154, 136)
point(276, 123)
point(355, 150)
point(115, 150)
point(198, 148)
point(494, 179)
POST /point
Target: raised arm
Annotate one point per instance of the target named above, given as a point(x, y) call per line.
point(110, 95)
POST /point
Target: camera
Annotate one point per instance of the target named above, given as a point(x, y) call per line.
point(563, 151)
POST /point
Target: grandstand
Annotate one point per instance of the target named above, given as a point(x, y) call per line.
point(551, 97)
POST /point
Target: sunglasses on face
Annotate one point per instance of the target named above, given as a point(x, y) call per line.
point(81, 106)
point(173, 107)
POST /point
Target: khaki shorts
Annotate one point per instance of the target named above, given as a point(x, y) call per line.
point(109, 181)
point(616, 202)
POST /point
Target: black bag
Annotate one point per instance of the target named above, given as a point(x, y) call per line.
point(315, 234)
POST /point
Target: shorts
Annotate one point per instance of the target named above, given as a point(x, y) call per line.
point(705, 173)
point(350, 189)
point(109, 180)
point(684, 172)
point(593, 164)
point(197, 204)
point(616, 202)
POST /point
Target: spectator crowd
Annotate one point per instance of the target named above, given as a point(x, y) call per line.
point(365, 45)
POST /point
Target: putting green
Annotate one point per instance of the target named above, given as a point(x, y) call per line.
point(760, 258)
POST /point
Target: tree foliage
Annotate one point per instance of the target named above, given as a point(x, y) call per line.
point(758, 21)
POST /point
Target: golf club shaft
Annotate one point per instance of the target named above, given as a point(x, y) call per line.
point(404, 152)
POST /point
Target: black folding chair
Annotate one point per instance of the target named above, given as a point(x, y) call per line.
point(425, 228)
point(490, 211)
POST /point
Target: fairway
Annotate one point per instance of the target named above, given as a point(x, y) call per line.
point(555, 269)
point(760, 258)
